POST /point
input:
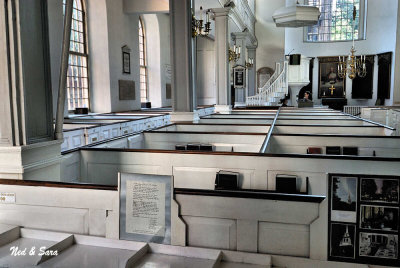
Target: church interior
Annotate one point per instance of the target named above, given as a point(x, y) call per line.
point(199, 133)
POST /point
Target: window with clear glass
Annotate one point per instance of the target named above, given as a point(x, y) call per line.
point(336, 21)
point(143, 63)
point(77, 76)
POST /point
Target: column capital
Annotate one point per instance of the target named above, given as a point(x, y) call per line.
point(251, 47)
point(221, 12)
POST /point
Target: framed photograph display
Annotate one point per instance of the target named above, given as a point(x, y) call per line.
point(363, 223)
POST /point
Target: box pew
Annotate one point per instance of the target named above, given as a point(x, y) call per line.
point(215, 128)
point(314, 117)
point(326, 129)
point(240, 116)
point(367, 145)
point(230, 120)
point(222, 142)
point(333, 122)
point(276, 223)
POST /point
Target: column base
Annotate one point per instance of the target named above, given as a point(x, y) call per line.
point(240, 104)
point(185, 117)
point(40, 161)
point(223, 109)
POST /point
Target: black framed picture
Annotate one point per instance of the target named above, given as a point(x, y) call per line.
point(126, 62)
point(379, 245)
point(380, 190)
point(343, 240)
point(239, 76)
point(330, 85)
point(344, 199)
point(379, 218)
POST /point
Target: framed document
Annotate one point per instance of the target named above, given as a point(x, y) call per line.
point(145, 208)
point(126, 62)
point(239, 76)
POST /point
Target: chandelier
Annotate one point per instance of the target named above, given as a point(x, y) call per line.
point(352, 65)
point(199, 28)
point(234, 54)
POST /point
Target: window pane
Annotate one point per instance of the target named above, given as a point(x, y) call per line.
point(77, 78)
point(335, 22)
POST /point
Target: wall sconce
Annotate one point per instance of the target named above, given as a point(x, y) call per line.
point(198, 29)
point(234, 54)
point(250, 64)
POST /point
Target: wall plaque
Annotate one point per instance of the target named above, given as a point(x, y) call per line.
point(126, 90)
point(7, 198)
point(239, 76)
point(145, 208)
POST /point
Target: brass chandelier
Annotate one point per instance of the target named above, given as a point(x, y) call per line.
point(199, 28)
point(234, 53)
point(352, 65)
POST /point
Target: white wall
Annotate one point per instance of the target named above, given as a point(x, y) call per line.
point(99, 66)
point(122, 30)
point(206, 73)
point(157, 30)
point(380, 37)
point(271, 39)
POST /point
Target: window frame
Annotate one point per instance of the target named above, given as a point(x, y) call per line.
point(86, 50)
point(362, 32)
point(144, 66)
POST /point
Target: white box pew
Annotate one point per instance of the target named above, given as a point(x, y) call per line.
point(221, 142)
point(351, 130)
point(271, 225)
point(240, 116)
point(233, 121)
point(314, 117)
point(198, 171)
point(333, 122)
point(73, 138)
point(298, 144)
point(216, 128)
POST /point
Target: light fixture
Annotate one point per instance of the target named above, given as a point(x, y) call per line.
point(249, 64)
point(199, 28)
point(234, 53)
point(352, 65)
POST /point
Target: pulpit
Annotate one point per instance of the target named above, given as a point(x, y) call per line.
point(298, 77)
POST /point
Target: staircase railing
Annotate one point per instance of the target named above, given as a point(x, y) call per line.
point(277, 83)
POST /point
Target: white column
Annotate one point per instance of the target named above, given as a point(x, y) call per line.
point(222, 60)
point(251, 73)
point(27, 146)
point(241, 41)
point(182, 59)
point(396, 87)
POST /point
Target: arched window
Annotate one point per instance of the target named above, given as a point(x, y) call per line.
point(77, 77)
point(143, 64)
